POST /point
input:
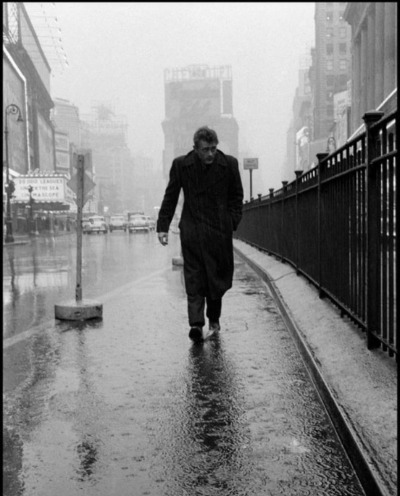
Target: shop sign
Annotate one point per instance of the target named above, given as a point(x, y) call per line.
point(62, 142)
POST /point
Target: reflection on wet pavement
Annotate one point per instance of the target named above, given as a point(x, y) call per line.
point(203, 441)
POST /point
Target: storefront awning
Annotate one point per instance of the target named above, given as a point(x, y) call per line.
point(46, 206)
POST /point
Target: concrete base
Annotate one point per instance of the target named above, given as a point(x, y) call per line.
point(79, 310)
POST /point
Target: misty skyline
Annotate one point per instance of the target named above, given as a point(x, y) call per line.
point(117, 53)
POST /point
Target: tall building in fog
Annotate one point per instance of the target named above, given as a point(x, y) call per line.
point(104, 133)
point(197, 95)
point(321, 105)
point(331, 68)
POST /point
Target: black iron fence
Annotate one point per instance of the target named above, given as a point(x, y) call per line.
point(336, 224)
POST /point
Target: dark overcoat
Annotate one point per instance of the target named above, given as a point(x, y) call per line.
point(212, 209)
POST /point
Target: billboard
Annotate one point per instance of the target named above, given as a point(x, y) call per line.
point(63, 162)
point(192, 99)
point(61, 141)
point(62, 152)
point(46, 144)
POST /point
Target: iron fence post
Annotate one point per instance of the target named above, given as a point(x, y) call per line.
point(320, 158)
point(372, 222)
point(297, 229)
point(271, 226)
point(282, 237)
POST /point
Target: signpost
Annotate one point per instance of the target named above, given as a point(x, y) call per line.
point(79, 309)
point(250, 164)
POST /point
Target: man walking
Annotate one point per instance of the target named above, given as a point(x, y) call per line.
point(212, 209)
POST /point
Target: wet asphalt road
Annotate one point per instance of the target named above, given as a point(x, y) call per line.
point(128, 406)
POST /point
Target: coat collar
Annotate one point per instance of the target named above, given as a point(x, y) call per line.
point(191, 159)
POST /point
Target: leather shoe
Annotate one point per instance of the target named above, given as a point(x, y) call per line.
point(196, 334)
point(214, 326)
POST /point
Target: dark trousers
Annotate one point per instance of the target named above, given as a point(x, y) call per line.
point(196, 306)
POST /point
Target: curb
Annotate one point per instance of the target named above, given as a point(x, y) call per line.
point(18, 242)
point(347, 435)
point(26, 240)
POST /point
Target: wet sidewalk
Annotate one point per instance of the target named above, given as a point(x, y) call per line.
point(130, 406)
point(359, 387)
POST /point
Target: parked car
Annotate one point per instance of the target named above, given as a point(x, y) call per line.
point(152, 222)
point(117, 222)
point(85, 225)
point(138, 222)
point(97, 223)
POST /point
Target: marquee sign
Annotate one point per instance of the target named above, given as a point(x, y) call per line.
point(46, 188)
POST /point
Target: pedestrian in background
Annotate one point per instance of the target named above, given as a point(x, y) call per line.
point(212, 209)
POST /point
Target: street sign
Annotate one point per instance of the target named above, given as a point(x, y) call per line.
point(87, 159)
point(82, 162)
point(250, 163)
point(88, 183)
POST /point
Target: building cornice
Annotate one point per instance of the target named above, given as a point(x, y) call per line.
point(356, 14)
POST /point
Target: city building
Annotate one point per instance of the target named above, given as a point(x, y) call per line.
point(26, 83)
point(29, 152)
point(197, 95)
point(321, 105)
point(104, 133)
point(298, 137)
point(374, 68)
point(68, 139)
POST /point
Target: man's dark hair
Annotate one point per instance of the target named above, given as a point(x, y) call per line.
point(205, 134)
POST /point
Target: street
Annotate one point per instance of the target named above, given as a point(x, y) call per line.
point(129, 406)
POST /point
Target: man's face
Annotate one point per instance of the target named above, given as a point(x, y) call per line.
point(206, 152)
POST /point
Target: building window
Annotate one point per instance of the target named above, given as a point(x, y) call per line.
point(343, 65)
point(329, 16)
point(342, 32)
point(342, 47)
point(329, 65)
point(329, 49)
point(343, 80)
point(330, 80)
point(341, 17)
point(329, 32)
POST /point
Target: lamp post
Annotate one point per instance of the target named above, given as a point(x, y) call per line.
point(13, 109)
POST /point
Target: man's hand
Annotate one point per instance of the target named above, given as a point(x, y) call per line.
point(163, 238)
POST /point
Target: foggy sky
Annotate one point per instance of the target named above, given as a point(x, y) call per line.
point(117, 52)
